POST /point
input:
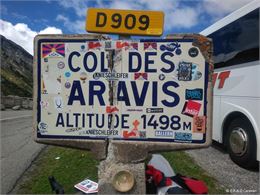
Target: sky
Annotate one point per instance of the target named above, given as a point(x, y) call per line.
point(21, 20)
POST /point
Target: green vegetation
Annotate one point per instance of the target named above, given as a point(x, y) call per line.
point(13, 83)
point(70, 168)
point(75, 165)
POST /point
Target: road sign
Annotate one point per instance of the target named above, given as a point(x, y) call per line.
point(130, 22)
point(157, 90)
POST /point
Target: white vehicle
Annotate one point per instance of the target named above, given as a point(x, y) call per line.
point(236, 79)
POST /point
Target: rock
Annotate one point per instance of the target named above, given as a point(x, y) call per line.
point(2, 107)
point(16, 65)
point(16, 107)
point(25, 106)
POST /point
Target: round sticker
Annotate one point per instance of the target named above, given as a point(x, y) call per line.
point(67, 74)
point(83, 76)
point(161, 77)
point(67, 85)
point(96, 76)
point(61, 65)
point(178, 51)
point(193, 52)
point(82, 47)
point(42, 127)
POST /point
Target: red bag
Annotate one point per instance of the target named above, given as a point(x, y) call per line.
point(193, 185)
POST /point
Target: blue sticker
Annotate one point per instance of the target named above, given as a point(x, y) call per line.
point(82, 48)
point(175, 46)
point(163, 133)
point(183, 136)
point(194, 94)
point(67, 74)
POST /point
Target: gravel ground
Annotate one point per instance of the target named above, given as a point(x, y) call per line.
point(218, 164)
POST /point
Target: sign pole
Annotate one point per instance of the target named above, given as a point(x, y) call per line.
point(114, 176)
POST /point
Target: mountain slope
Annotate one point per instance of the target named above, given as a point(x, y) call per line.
point(16, 69)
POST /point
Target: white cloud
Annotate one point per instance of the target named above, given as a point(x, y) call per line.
point(117, 4)
point(176, 16)
point(79, 6)
point(77, 26)
point(182, 18)
point(21, 34)
point(51, 30)
point(161, 5)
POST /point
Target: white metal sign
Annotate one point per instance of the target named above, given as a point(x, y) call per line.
point(156, 90)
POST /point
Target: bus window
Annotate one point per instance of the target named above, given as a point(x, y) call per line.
point(238, 42)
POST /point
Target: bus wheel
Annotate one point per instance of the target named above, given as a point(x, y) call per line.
point(241, 143)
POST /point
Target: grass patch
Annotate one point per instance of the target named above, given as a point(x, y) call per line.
point(76, 165)
point(72, 167)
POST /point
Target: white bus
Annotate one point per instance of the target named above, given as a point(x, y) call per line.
point(236, 79)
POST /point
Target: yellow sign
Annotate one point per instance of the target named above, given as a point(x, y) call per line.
point(129, 22)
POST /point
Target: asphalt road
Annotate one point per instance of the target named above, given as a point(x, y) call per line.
point(18, 149)
point(233, 178)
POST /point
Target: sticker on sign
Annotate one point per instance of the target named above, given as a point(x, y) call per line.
point(152, 91)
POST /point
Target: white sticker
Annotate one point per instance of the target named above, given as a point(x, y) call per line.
point(42, 127)
point(58, 103)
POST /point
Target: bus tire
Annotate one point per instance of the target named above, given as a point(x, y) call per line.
point(241, 143)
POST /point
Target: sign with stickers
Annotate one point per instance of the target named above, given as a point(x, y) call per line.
point(129, 22)
point(147, 90)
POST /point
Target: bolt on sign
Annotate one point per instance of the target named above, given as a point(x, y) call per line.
point(147, 91)
point(130, 22)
